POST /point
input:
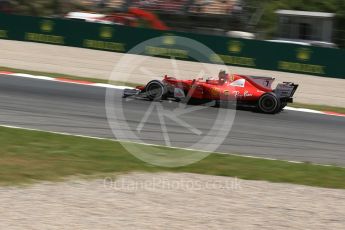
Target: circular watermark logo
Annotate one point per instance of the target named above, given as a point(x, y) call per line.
point(164, 132)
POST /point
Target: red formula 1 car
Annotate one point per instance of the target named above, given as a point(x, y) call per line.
point(255, 92)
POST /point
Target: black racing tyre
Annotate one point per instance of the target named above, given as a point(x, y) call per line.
point(155, 90)
point(269, 103)
point(282, 106)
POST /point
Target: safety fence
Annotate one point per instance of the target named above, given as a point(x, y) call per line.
point(115, 38)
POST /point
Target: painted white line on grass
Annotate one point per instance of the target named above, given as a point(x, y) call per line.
point(296, 162)
point(155, 145)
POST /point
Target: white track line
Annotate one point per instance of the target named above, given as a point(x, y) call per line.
point(63, 80)
point(160, 146)
point(303, 110)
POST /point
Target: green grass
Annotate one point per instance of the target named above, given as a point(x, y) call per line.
point(319, 107)
point(31, 156)
point(133, 84)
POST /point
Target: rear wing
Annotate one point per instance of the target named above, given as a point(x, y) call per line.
point(285, 90)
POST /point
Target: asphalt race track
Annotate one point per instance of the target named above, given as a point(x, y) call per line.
point(79, 109)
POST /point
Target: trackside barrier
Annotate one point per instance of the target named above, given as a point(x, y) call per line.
point(114, 38)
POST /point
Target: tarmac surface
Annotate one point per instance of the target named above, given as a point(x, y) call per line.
point(79, 109)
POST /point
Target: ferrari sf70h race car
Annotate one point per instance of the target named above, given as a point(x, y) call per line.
point(249, 91)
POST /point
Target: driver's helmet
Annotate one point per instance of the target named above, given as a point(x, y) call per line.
point(223, 77)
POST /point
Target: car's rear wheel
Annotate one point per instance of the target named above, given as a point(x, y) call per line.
point(155, 90)
point(282, 106)
point(269, 103)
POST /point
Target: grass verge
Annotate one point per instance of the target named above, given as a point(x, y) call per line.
point(56, 75)
point(29, 156)
point(319, 107)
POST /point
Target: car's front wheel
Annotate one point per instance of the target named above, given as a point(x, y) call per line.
point(155, 90)
point(269, 103)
